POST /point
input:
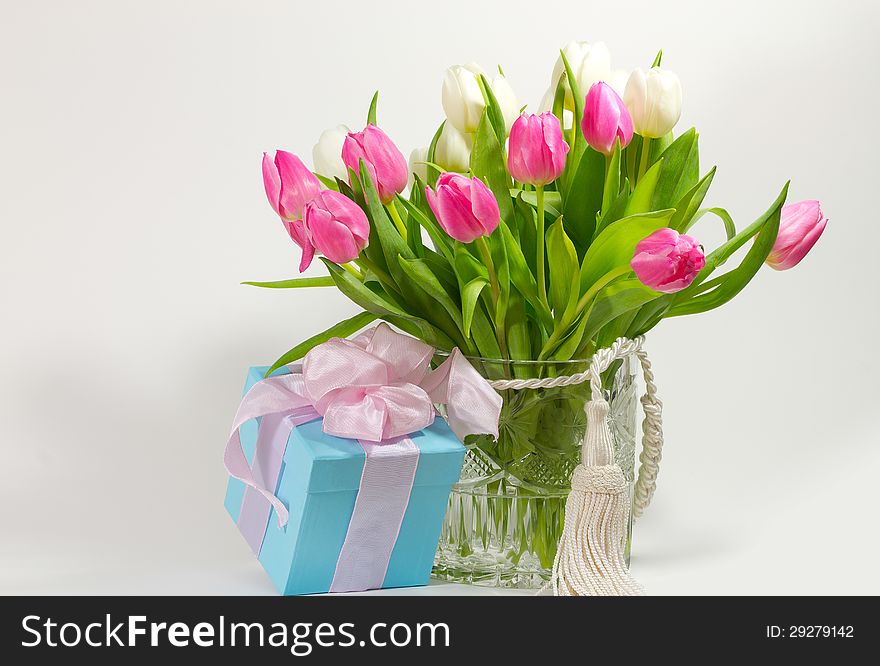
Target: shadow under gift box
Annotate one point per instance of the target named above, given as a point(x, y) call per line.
point(318, 482)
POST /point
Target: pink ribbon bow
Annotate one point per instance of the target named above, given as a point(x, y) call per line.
point(375, 387)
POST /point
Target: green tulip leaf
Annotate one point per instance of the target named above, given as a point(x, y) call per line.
point(523, 278)
point(493, 110)
point(371, 114)
point(467, 266)
point(729, 285)
point(442, 268)
point(641, 198)
point(391, 241)
point(578, 144)
point(616, 211)
point(552, 200)
point(689, 205)
point(421, 274)
point(341, 330)
point(381, 305)
point(329, 183)
point(720, 213)
point(295, 283)
point(441, 240)
point(615, 300)
point(518, 336)
point(470, 295)
point(487, 164)
point(680, 171)
point(434, 173)
point(584, 199)
point(612, 180)
point(563, 262)
point(615, 245)
point(483, 334)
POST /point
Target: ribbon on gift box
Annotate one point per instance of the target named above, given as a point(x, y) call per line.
point(377, 388)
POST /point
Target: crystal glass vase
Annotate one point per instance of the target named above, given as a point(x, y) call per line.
point(505, 515)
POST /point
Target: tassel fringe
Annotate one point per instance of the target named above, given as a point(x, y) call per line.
point(590, 557)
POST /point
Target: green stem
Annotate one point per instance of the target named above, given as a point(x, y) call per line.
point(395, 217)
point(646, 150)
point(500, 328)
point(483, 248)
point(584, 301)
point(384, 278)
point(354, 271)
point(539, 259)
point(597, 286)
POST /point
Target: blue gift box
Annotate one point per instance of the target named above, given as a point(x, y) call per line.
point(319, 480)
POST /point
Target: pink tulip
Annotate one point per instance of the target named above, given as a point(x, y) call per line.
point(385, 163)
point(800, 226)
point(536, 154)
point(290, 186)
point(668, 261)
point(464, 207)
point(337, 226)
point(606, 119)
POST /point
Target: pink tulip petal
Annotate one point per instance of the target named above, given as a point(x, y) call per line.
point(800, 226)
point(667, 261)
point(336, 226)
point(272, 183)
point(298, 184)
point(308, 253)
point(484, 206)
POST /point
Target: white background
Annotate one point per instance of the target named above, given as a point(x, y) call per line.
point(131, 206)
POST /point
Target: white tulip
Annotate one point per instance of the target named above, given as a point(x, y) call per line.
point(453, 149)
point(506, 99)
point(463, 100)
point(590, 63)
point(417, 165)
point(654, 101)
point(327, 153)
point(547, 105)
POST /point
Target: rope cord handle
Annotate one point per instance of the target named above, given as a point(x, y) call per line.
point(652, 425)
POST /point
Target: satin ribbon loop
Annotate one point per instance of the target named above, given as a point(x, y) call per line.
point(375, 388)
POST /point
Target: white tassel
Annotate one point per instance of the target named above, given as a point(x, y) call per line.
point(590, 556)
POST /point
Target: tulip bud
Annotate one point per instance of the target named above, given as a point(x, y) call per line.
point(453, 149)
point(417, 164)
point(464, 207)
point(337, 226)
point(463, 100)
point(289, 187)
point(289, 184)
point(590, 63)
point(506, 99)
point(800, 226)
point(327, 153)
point(668, 261)
point(606, 119)
point(654, 101)
point(536, 152)
point(385, 163)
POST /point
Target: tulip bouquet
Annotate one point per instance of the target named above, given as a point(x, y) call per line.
point(527, 240)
